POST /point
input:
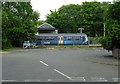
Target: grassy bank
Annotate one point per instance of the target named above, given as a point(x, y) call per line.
point(72, 46)
point(57, 46)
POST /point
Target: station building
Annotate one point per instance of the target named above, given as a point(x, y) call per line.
point(46, 28)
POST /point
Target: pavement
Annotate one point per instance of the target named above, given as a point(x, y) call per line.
point(59, 64)
point(108, 60)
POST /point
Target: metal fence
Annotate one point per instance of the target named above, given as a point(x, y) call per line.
point(94, 40)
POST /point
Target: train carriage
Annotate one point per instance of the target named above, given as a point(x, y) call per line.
point(47, 39)
point(64, 39)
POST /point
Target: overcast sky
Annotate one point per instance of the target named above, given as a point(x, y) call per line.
point(44, 6)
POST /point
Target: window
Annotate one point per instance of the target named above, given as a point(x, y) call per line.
point(40, 38)
point(83, 38)
point(50, 38)
point(76, 38)
point(69, 38)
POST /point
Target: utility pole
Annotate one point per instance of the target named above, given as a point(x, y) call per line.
point(81, 29)
point(104, 29)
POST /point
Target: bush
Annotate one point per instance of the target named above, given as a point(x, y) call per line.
point(112, 28)
point(6, 44)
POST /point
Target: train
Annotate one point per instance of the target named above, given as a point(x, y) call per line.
point(62, 39)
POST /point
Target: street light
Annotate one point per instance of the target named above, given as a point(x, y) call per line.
point(104, 29)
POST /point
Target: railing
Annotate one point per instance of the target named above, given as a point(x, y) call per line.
point(29, 45)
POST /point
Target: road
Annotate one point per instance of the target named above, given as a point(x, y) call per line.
point(57, 65)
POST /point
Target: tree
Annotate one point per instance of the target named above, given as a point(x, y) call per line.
point(39, 22)
point(19, 23)
point(70, 17)
point(93, 13)
point(112, 39)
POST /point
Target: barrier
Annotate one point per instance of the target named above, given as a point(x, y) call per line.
point(27, 44)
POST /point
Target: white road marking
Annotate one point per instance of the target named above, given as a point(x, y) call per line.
point(78, 79)
point(70, 78)
point(62, 74)
point(44, 63)
point(98, 79)
point(55, 80)
point(9, 80)
point(33, 80)
point(3, 52)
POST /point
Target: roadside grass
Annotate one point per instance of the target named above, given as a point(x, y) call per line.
point(11, 48)
point(73, 46)
point(56, 46)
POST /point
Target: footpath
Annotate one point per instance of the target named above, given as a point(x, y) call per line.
point(108, 60)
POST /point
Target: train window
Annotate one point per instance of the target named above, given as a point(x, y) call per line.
point(68, 38)
point(76, 38)
point(58, 38)
point(50, 38)
point(83, 39)
point(40, 38)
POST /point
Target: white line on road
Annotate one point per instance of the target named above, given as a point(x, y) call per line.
point(70, 78)
point(62, 74)
point(44, 63)
point(3, 52)
point(78, 78)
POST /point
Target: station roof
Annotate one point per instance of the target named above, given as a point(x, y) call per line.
point(46, 26)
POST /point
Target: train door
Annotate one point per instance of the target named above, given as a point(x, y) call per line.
point(60, 39)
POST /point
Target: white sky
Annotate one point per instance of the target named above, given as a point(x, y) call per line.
point(44, 6)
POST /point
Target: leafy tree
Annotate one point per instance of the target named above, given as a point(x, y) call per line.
point(19, 23)
point(93, 18)
point(65, 19)
point(70, 17)
point(112, 39)
point(39, 22)
point(54, 19)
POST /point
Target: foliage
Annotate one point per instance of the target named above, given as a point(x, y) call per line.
point(93, 17)
point(40, 22)
point(19, 23)
point(70, 17)
point(112, 39)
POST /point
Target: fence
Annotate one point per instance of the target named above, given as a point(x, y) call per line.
point(93, 40)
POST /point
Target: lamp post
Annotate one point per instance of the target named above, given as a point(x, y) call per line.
point(104, 29)
point(81, 29)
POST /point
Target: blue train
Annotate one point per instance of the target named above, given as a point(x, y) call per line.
point(63, 39)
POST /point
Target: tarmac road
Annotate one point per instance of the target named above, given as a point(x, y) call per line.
point(59, 65)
